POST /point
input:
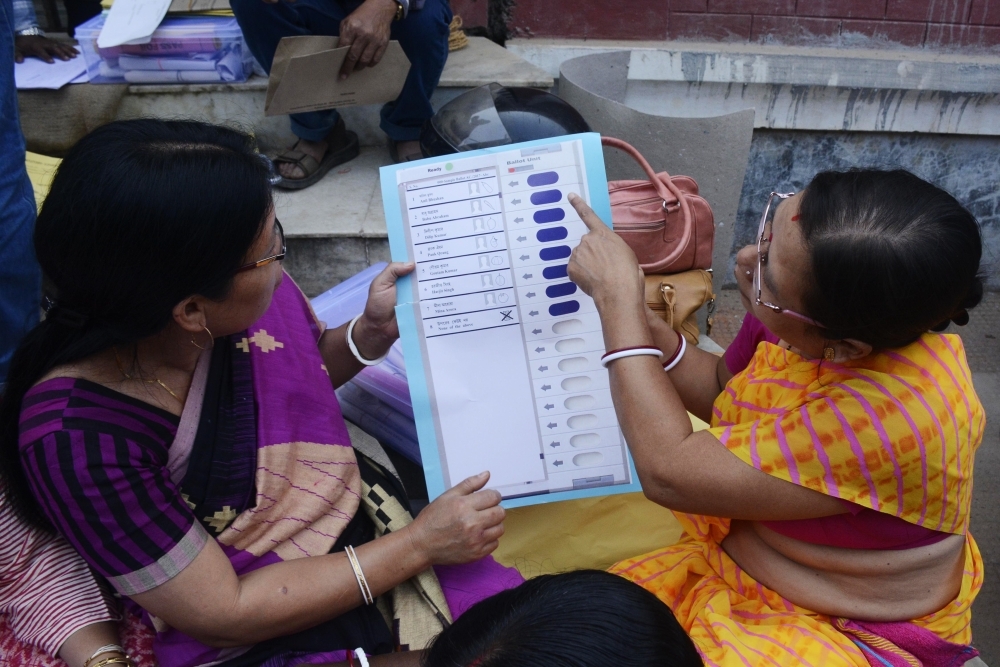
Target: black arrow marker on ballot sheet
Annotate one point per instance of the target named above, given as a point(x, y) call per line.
point(536, 331)
point(552, 424)
point(518, 219)
point(542, 369)
point(533, 313)
point(557, 463)
point(530, 295)
point(546, 387)
point(513, 183)
point(525, 257)
point(554, 444)
point(515, 202)
point(522, 239)
point(549, 406)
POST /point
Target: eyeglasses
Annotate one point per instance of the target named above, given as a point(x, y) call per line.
point(763, 246)
point(267, 260)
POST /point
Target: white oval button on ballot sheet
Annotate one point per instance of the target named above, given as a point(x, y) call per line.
point(583, 402)
point(573, 364)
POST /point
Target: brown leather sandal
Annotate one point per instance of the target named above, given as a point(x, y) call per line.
point(342, 146)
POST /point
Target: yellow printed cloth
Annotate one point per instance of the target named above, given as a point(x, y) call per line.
point(895, 432)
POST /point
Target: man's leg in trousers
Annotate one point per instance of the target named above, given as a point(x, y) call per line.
point(264, 25)
point(423, 34)
point(20, 277)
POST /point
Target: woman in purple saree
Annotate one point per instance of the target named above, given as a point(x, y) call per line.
point(174, 418)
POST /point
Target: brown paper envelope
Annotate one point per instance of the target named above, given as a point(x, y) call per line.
point(305, 77)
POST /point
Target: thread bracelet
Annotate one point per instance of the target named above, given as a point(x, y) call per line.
point(638, 351)
point(359, 574)
point(354, 348)
point(678, 354)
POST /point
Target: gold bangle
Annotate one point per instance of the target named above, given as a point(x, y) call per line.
point(107, 648)
point(115, 661)
point(359, 574)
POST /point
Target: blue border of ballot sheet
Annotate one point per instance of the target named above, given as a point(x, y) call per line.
point(597, 185)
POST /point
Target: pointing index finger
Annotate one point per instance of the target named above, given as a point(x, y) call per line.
point(591, 219)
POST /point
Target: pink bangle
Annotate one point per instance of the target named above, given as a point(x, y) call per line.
point(678, 354)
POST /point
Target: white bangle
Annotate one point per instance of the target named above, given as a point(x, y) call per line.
point(354, 348)
point(359, 653)
point(678, 355)
point(630, 352)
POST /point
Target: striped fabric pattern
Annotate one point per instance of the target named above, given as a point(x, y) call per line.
point(895, 432)
point(96, 461)
point(47, 592)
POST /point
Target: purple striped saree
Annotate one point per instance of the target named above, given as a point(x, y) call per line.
point(260, 460)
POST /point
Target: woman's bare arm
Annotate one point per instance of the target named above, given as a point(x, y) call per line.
point(209, 602)
point(375, 331)
point(679, 469)
point(698, 377)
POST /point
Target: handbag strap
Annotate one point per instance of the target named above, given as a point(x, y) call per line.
point(664, 188)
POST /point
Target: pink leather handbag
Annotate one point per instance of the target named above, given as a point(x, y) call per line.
point(668, 226)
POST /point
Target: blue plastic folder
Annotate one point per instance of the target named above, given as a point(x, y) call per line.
point(502, 350)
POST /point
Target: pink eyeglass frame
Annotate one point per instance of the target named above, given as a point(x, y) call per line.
point(760, 265)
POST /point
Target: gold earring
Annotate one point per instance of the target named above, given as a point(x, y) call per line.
point(829, 353)
point(210, 336)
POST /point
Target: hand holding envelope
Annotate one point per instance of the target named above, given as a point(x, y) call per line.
point(305, 76)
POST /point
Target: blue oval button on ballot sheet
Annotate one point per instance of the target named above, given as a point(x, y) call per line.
point(544, 178)
point(549, 215)
point(551, 234)
point(545, 197)
point(553, 272)
point(563, 308)
point(555, 252)
point(562, 289)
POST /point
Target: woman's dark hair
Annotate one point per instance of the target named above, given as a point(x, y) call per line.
point(141, 215)
point(586, 618)
point(892, 256)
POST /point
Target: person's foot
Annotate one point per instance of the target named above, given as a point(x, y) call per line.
point(316, 149)
point(404, 151)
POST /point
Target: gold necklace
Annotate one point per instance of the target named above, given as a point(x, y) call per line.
point(154, 380)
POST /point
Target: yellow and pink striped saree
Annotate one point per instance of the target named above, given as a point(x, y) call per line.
point(895, 432)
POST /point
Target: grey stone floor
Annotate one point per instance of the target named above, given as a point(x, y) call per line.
point(982, 345)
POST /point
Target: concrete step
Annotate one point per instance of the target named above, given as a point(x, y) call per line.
point(242, 104)
point(336, 227)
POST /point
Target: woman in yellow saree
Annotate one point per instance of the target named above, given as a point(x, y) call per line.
point(826, 511)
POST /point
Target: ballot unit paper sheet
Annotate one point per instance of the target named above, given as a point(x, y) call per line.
point(502, 350)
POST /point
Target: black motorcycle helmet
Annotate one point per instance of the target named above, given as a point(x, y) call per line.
point(495, 115)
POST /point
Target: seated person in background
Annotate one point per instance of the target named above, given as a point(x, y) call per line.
point(585, 618)
point(827, 509)
point(174, 419)
point(30, 41)
point(50, 603)
point(420, 26)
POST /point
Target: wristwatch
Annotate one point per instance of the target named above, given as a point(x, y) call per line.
point(33, 31)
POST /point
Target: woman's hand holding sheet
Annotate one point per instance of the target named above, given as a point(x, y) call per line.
point(377, 328)
point(462, 525)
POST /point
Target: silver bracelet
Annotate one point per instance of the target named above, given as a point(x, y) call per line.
point(33, 31)
point(354, 348)
point(366, 592)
